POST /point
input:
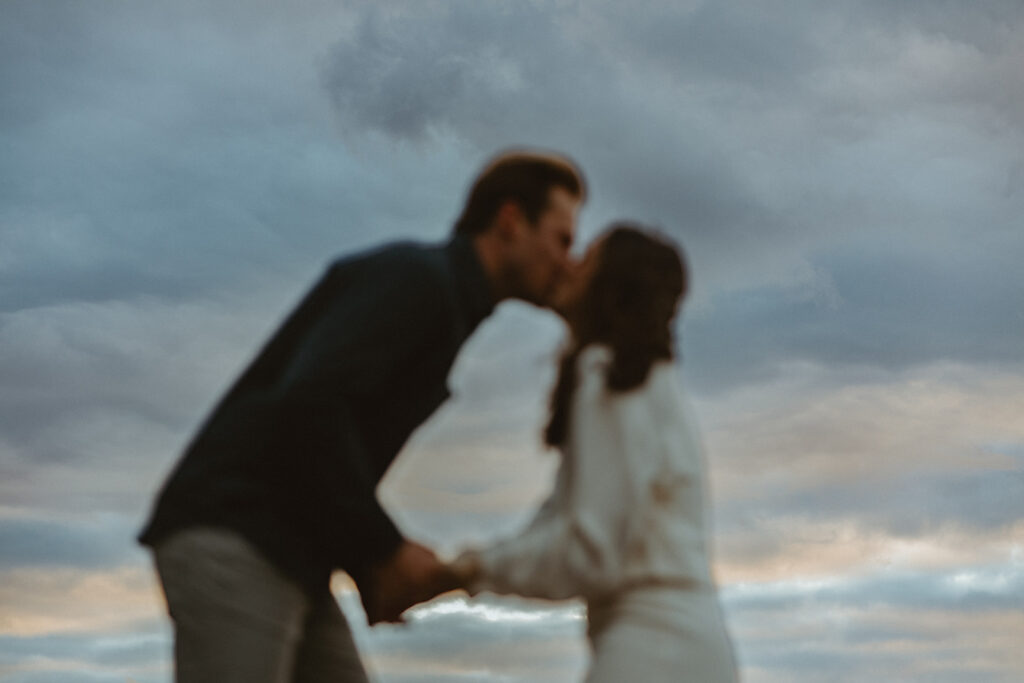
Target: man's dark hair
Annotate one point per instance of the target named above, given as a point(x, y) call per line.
point(524, 177)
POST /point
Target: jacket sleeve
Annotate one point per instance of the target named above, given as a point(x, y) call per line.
point(576, 546)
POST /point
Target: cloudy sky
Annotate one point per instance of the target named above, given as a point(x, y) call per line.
point(849, 185)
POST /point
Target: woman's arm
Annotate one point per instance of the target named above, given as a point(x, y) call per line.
point(576, 545)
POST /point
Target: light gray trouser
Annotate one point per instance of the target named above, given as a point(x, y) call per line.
point(237, 619)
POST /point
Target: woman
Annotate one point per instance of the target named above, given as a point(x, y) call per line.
point(625, 525)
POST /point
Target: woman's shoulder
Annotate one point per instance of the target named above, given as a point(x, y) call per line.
point(594, 358)
point(660, 389)
point(592, 365)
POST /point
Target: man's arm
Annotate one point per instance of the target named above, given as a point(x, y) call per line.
point(412, 574)
point(380, 314)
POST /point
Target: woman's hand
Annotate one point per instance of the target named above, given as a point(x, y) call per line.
point(466, 569)
point(412, 575)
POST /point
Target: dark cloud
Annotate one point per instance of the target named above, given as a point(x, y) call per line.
point(743, 43)
point(916, 505)
point(981, 589)
point(982, 24)
point(61, 675)
point(114, 650)
point(462, 72)
point(143, 156)
point(905, 626)
point(411, 70)
point(870, 306)
point(105, 542)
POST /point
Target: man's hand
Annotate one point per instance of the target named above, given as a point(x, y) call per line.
point(412, 574)
point(466, 570)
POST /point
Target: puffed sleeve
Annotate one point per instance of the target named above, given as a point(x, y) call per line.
point(576, 545)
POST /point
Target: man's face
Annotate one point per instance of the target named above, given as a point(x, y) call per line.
point(542, 250)
point(571, 295)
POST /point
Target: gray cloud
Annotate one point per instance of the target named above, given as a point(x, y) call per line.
point(63, 676)
point(889, 309)
point(742, 43)
point(911, 508)
point(120, 650)
point(977, 589)
point(145, 157)
point(88, 543)
point(905, 625)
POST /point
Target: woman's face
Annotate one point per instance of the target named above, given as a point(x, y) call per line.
point(572, 293)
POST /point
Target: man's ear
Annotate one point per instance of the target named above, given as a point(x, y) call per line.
point(509, 220)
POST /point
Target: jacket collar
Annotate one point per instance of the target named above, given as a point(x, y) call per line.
point(474, 289)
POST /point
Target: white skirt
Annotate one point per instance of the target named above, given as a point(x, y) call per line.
point(660, 635)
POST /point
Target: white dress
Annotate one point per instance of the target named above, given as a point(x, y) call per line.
point(625, 529)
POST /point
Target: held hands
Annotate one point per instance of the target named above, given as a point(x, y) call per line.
point(412, 574)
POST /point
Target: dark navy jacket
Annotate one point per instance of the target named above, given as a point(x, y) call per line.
point(291, 456)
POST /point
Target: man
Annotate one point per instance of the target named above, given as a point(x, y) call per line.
point(277, 489)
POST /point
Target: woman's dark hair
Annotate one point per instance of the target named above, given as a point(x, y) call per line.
point(629, 304)
point(525, 177)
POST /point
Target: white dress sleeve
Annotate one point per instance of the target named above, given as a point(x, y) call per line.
point(576, 544)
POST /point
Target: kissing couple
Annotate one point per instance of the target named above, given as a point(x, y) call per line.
point(277, 489)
